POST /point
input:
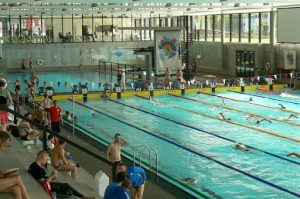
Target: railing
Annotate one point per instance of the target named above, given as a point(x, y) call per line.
point(46, 130)
point(149, 150)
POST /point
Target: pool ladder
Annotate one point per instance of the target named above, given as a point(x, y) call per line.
point(137, 149)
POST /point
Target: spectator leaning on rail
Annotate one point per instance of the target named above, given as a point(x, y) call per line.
point(55, 115)
point(10, 181)
point(39, 174)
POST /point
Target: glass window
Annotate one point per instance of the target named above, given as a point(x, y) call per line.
point(218, 28)
point(136, 33)
point(67, 29)
point(97, 27)
point(265, 27)
point(57, 29)
point(117, 29)
point(235, 28)
point(210, 28)
point(127, 28)
point(244, 27)
point(107, 28)
point(87, 30)
point(77, 28)
point(48, 29)
point(146, 33)
point(227, 28)
point(174, 22)
point(254, 27)
point(202, 28)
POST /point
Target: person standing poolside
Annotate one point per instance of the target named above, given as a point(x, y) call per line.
point(123, 80)
point(167, 75)
point(113, 153)
point(55, 115)
point(47, 104)
point(17, 90)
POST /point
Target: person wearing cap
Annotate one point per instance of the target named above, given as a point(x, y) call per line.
point(55, 116)
point(113, 153)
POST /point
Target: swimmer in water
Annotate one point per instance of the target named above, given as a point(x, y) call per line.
point(223, 117)
point(281, 106)
point(190, 180)
point(260, 121)
point(242, 147)
point(250, 99)
point(249, 116)
point(93, 114)
point(223, 101)
point(292, 115)
point(297, 155)
point(153, 101)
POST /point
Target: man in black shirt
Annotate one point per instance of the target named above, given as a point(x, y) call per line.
point(39, 174)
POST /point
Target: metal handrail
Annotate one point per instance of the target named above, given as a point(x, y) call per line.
point(149, 149)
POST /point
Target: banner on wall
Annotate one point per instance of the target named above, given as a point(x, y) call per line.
point(289, 59)
point(166, 51)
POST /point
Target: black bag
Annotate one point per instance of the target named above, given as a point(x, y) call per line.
point(15, 131)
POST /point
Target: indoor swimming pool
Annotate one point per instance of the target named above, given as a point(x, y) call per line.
point(194, 142)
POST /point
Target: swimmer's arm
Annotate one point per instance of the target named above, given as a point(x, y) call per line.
point(124, 142)
point(108, 152)
point(62, 156)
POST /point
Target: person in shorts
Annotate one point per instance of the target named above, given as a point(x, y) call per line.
point(55, 116)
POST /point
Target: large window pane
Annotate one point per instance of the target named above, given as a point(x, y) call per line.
point(67, 29)
point(97, 27)
point(48, 29)
point(210, 26)
point(235, 28)
point(107, 28)
point(217, 29)
point(87, 30)
point(265, 27)
point(117, 29)
point(127, 28)
point(254, 28)
point(244, 28)
point(57, 29)
point(145, 33)
point(77, 28)
point(227, 28)
point(136, 32)
point(202, 28)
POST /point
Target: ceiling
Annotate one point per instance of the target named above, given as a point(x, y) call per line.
point(134, 7)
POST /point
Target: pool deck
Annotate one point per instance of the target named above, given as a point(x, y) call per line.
point(132, 93)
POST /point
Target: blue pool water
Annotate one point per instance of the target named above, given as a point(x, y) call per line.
point(185, 139)
point(58, 79)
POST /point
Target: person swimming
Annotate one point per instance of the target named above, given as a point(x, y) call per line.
point(223, 101)
point(281, 106)
point(248, 117)
point(297, 155)
point(262, 120)
point(153, 101)
point(190, 180)
point(222, 117)
point(292, 115)
point(93, 114)
point(242, 147)
point(250, 99)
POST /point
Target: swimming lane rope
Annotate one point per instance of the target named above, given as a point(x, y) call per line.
point(200, 154)
point(230, 122)
point(201, 130)
point(280, 100)
point(243, 101)
point(234, 109)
